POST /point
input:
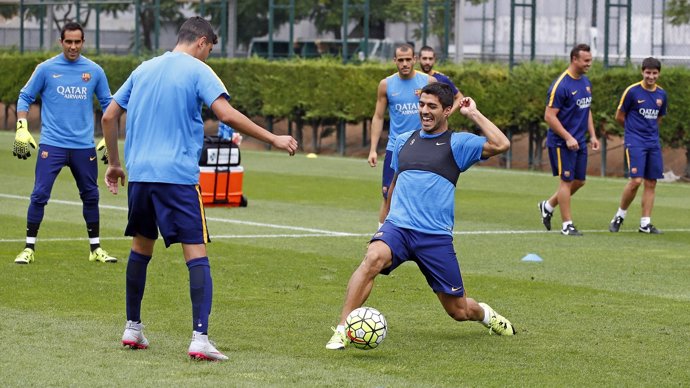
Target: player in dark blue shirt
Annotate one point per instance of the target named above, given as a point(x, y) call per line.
point(427, 60)
point(640, 110)
point(569, 118)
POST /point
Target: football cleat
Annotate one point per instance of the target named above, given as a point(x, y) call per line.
point(545, 215)
point(649, 229)
point(25, 257)
point(497, 323)
point(134, 336)
point(202, 349)
point(338, 340)
point(100, 254)
point(615, 224)
point(571, 230)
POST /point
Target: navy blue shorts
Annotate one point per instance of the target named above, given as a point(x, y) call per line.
point(176, 210)
point(388, 174)
point(569, 164)
point(645, 162)
point(433, 253)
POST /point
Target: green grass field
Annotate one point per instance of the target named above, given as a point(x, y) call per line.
point(602, 310)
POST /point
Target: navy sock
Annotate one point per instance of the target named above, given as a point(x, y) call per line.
point(136, 282)
point(93, 229)
point(201, 292)
point(31, 234)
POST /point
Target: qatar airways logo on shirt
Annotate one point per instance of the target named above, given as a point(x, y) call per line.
point(584, 102)
point(649, 114)
point(73, 92)
point(409, 108)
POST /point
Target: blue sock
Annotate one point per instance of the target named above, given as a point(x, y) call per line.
point(136, 282)
point(201, 292)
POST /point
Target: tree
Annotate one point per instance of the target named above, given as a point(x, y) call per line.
point(62, 13)
point(170, 12)
point(327, 15)
point(678, 11)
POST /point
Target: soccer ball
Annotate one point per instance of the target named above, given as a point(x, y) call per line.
point(365, 328)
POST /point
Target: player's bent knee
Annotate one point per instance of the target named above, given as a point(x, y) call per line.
point(40, 199)
point(650, 183)
point(89, 197)
point(375, 262)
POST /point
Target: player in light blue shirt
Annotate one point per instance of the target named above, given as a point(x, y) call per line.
point(66, 83)
point(569, 118)
point(163, 98)
point(419, 225)
point(399, 94)
point(641, 108)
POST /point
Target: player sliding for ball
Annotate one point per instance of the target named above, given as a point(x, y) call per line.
point(420, 211)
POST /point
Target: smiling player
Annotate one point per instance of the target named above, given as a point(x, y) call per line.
point(66, 83)
point(569, 118)
point(420, 211)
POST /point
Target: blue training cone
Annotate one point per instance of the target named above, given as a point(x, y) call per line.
point(532, 257)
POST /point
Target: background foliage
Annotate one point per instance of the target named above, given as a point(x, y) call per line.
point(325, 89)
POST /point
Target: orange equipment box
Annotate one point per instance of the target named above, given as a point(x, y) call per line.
point(222, 186)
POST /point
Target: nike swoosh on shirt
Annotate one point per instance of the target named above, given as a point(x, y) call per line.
point(574, 93)
point(455, 289)
point(92, 158)
point(437, 143)
point(395, 94)
point(57, 75)
point(640, 101)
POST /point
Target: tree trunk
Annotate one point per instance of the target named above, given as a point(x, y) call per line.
point(687, 160)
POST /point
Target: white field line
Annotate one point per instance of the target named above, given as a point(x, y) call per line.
point(223, 220)
point(313, 232)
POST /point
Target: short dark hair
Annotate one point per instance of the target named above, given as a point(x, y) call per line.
point(575, 52)
point(404, 47)
point(651, 63)
point(427, 48)
point(442, 91)
point(71, 26)
point(195, 28)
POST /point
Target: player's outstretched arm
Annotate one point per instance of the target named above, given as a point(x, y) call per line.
point(234, 118)
point(496, 141)
point(114, 173)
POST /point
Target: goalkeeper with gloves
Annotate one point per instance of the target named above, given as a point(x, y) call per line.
point(66, 83)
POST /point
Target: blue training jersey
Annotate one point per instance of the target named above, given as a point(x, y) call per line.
point(440, 77)
point(423, 200)
point(403, 104)
point(66, 89)
point(573, 97)
point(165, 133)
point(642, 108)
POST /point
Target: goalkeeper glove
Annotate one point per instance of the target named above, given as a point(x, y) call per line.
point(22, 140)
point(101, 146)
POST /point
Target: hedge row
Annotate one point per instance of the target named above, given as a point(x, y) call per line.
point(326, 89)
